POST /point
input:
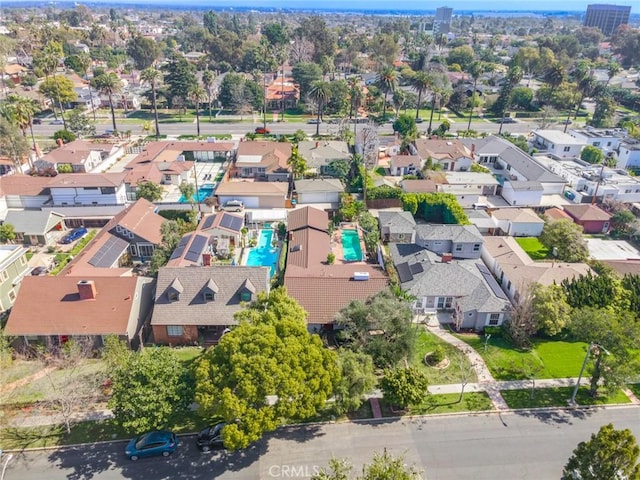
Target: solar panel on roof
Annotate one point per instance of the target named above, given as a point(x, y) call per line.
point(196, 248)
point(109, 253)
point(416, 268)
point(208, 221)
point(404, 272)
point(177, 253)
point(231, 222)
point(495, 288)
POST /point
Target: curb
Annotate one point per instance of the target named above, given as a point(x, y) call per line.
point(365, 421)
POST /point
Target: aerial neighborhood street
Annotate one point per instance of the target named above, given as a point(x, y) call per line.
point(256, 242)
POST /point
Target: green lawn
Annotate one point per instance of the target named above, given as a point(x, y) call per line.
point(188, 354)
point(557, 397)
point(547, 358)
point(533, 247)
point(635, 388)
point(445, 403)
point(425, 343)
point(18, 369)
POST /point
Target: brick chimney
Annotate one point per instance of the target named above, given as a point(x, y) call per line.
point(87, 290)
point(447, 257)
point(317, 144)
point(206, 259)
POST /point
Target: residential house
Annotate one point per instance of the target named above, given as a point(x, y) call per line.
point(13, 268)
point(7, 167)
point(318, 155)
point(282, 89)
point(223, 228)
point(78, 156)
point(254, 194)
point(323, 289)
point(629, 153)
point(418, 186)
point(68, 307)
point(24, 191)
point(188, 151)
point(451, 155)
point(590, 217)
point(516, 271)
point(555, 213)
point(263, 160)
point(558, 143)
point(88, 189)
point(606, 139)
point(129, 237)
point(35, 227)
point(517, 222)
point(318, 190)
point(197, 305)
point(397, 226)
point(461, 241)
point(463, 287)
point(467, 187)
point(526, 193)
point(405, 165)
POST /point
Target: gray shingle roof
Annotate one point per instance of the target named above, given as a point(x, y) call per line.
point(226, 282)
point(319, 153)
point(32, 222)
point(453, 233)
point(319, 185)
point(396, 222)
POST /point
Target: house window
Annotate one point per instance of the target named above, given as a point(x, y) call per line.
point(208, 296)
point(108, 190)
point(173, 296)
point(247, 172)
point(494, 319)
point(509, 285)
point(145, 250)
point(12, 295)
point(5, 275)
point(245, 296)
point(445, 302)
point(23, 260)
point(608, 144)
point(133, 250)
point(458, 247)
point(445, 166)
point(596, 144)
point(628, 190)
point(262, 170)
point(476, 247)
point(167, 178)
point(401, 236)
point(508, 167)
point(174, 330)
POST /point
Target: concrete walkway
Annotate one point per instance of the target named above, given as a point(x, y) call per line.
point(485, 379)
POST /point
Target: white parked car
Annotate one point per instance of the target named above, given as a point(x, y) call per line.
point(233, 206)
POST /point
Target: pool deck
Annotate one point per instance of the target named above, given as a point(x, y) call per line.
point(245, 252)
point(336, 244)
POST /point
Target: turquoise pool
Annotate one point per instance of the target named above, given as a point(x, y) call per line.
point(263, 254)
point(202, 193)
point(351, 245)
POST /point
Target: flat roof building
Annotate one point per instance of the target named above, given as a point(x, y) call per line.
point(606, 17)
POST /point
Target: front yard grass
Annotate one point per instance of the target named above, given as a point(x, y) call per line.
point(18, 369)
point(533, 247)
point(426, 342)
point(547, 358)
point(557, 397)
point(448, 403)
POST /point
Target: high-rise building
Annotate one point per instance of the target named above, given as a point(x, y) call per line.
point(442, 22)
point(606, 17)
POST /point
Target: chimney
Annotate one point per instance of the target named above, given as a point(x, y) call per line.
point(447, 257)
point(87, 290)
point(317, 144)
point(206, 259)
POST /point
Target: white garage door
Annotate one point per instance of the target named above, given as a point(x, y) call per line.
point(249, 202)
point(318, 197)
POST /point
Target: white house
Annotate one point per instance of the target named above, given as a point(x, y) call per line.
point(88, 189)
point(522, 193)
point(451, 155)
point(606, 139)
point(557, 143)
point(629, 153)
point(319, 190)
point(518, 222)
point(405, 165)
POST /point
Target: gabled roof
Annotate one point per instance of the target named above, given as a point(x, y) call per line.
point(24, 185)
point(307, 217)
point(33, 222)
point(393, 222)
point(587, 213)
point(556, 213)
point(318, 153)
point(330, 185)
point(517, 215)
point(441, 149)
point(419, 186)
point(222, 220)
point(401, 161)
point(242, 188)
point(60, 311)
point(76, 152)
point(226, 282)
point(452, 233)
point(272, 156)
point(79, 180)
point(141, 219)
point(169, 151)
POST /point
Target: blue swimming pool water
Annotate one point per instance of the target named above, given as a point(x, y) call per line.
point(351, 245)
point(263, 254)
point(203, 192)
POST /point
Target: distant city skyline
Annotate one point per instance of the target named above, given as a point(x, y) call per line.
point(458, 6)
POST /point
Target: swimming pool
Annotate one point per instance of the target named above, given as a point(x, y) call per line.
point(263, 254)
point(351, 245)
point(203, 192)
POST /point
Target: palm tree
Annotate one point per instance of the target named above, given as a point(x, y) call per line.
point(207, 82)
point(50, 60)
point(151, 75)
point(421, 82)
point(320, 93)
point(356, 97)
point(476, 69)
point(24, 110)
point(387, 81)
point(612, 70)
point(109, 84)
point(197, 94)
point(85, 62)
point(555, 75)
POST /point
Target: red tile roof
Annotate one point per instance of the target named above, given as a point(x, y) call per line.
point(307, 217)
point(587, 213)
point(23, 184)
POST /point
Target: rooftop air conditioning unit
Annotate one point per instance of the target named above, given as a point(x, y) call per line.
point(361, 276)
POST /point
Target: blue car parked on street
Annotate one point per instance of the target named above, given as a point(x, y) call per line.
point(74, 235)
point(152, 444)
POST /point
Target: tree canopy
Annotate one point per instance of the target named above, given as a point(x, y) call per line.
point(565, 238)
point(267, 369)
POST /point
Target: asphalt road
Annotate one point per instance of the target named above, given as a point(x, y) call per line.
point(524, 446)
point(289, 127)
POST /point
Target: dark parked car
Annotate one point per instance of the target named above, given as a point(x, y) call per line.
point(74, 235)
point(211, 437)
point(566, 121)
point(152, 444)
point(37, 121)
point(39, 271)
point(508, 120)
point(314, 121)
point(57, 121)
point(262, 131)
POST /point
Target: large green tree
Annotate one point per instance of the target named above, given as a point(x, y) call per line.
point(387, 81)
point(152, 76)
point(357, 377)
point(179, 77)
point(148, 388)
point(404, 386)
point(143, 51)
point(305, 74)
point(13, 144)
point(565, 238)
point(380, 327)
point(267, 370)
point(610, 454)
point(149, 191)
point(551, 311)
point(384, 466)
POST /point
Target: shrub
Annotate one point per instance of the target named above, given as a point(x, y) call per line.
point(437, 355)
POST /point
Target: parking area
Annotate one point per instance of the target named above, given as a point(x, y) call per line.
point(601, 249)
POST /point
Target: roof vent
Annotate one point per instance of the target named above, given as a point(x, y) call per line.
point(361, 276)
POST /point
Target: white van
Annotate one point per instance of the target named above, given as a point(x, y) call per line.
point(233, 206)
